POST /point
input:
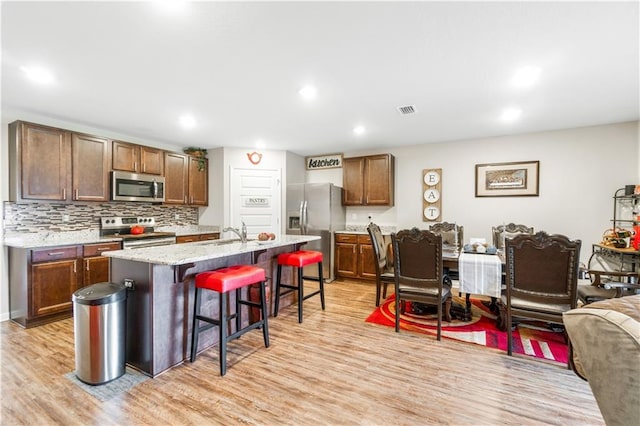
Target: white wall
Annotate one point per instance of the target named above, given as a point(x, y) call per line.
point(580, 169)
point(221, 161)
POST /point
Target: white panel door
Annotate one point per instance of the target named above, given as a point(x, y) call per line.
point(255, 199)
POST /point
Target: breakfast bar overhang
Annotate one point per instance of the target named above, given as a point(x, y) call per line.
point(160, 300)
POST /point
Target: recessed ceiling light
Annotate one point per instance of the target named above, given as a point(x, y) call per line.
point(187, 121)
point(525, 76)
point(359, 130)
point(511, 114)
point(260, 144)
point(171, 6)
point(38, 74)
point(308, 92)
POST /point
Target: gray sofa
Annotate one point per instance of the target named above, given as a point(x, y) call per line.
point(606, 352)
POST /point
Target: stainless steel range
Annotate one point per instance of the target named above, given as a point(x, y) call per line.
point(136, 232)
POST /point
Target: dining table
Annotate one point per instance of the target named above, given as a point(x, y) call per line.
point(478, 274)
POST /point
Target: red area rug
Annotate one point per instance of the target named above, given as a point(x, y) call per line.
point(529, 338)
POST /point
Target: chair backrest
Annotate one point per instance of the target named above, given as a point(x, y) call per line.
point(452, 234)
point(379, 249)
point(501, 232)
point(418, 258)
point(543, 268)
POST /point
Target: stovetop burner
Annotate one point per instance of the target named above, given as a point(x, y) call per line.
point(121, 227)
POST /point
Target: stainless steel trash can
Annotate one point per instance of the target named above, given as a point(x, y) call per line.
point(99, 313)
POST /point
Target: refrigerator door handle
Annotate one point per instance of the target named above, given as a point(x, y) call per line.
point(305, 218)
point(301, 217)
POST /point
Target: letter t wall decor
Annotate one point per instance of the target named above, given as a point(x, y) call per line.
point(431, 195)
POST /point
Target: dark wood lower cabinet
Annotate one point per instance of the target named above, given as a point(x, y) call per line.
point(96, 270)
point(354, 257)
point(52, 285)
point(42, 281)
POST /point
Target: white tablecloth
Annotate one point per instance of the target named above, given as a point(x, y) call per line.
point(480, 274)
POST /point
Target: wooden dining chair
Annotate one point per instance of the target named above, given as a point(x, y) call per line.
point(542, 279)
point(419, 274)
point(384, 271)
point(501, 232)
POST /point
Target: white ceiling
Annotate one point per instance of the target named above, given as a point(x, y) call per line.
point(237, 67)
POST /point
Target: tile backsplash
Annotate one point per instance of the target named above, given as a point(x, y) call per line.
point(37, 217)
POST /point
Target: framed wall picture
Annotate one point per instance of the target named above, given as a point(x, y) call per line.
point(507, 179)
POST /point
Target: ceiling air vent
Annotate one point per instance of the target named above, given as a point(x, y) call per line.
point(407, 109)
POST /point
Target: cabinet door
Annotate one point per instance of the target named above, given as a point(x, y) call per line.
point(378, 180)
point(198, 183)
point(353, 181)
point(45, 155)
point(346, 259)
point(90, 165)
point(176, 178)
point(96, 270)
point(151, 160)
point(52, 285)
point(125, 156)
point(366, 264)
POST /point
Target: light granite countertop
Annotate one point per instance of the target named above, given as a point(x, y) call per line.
point(180, 254)
point(30, 240)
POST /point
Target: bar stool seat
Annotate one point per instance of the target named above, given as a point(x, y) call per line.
point(223, 281)
point(299, 259)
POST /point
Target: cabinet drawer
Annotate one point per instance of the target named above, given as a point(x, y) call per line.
point(346, 238)
point(56, 253)
point(364, 239)
point(187, 239)
point(97, 249)
point(214, 236)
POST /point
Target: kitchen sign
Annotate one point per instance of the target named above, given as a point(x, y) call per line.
point(329, 161)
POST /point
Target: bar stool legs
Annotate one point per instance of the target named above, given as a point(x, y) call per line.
point(299, 259)
point(223, 281)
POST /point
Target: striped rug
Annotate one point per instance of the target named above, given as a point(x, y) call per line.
point(529, 338)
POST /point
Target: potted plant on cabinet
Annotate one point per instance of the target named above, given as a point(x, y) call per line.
point(200, 153)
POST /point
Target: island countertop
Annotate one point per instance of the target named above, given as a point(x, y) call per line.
point(180, 254)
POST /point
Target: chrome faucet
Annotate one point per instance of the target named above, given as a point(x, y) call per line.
point(242, 234)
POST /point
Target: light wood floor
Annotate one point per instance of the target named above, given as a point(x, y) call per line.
point(333, 369)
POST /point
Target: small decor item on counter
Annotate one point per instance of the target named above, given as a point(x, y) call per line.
point(137, 230)
point(200, 153)
point(266, 236)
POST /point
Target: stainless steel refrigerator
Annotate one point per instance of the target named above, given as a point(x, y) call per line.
point(316, 209)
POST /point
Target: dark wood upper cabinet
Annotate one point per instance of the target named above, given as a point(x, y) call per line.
point(90, 176)
point(368, 181)
point(176, 177)
point(137, 158)
point(353, 181)
point(40, 165)
point(198, 182)
point(186, 182)
point(151, 160)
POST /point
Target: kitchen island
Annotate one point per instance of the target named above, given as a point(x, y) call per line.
point(160, 302)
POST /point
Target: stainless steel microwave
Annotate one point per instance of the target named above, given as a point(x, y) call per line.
point(126, 186)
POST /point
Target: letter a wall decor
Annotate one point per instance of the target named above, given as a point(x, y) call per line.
point(431, 195)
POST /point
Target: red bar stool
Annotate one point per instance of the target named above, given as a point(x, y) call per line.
point(224, 281)
point(299, 259)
